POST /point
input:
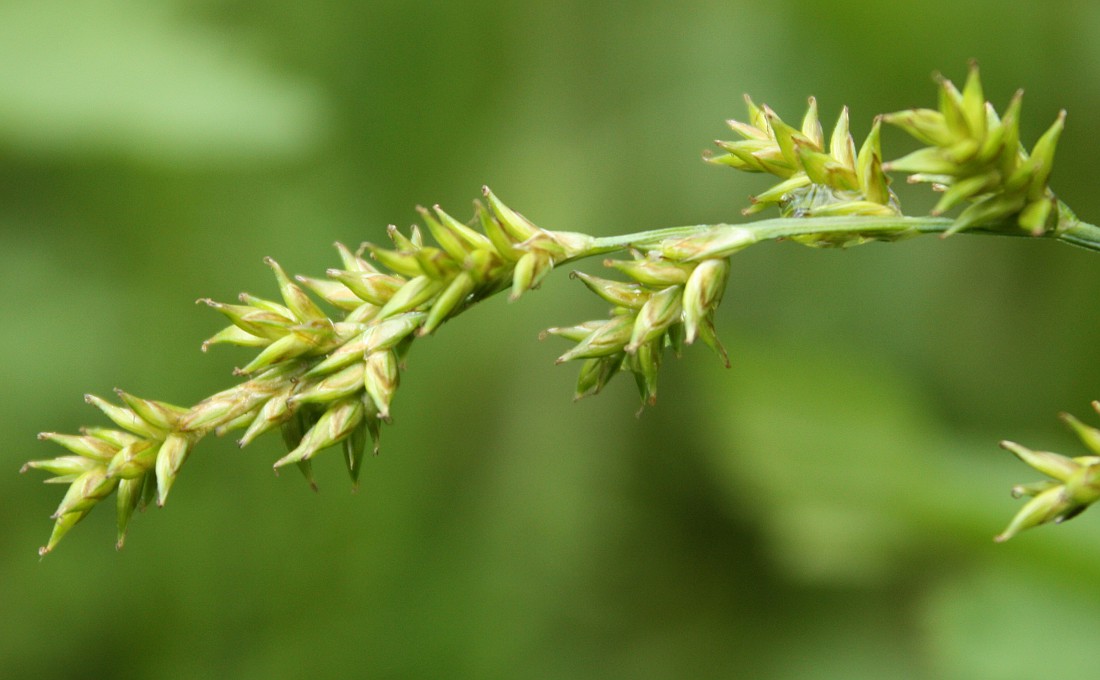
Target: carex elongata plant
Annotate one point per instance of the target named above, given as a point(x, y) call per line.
point(326, 376)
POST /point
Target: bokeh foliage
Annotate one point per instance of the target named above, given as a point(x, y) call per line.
point(823, 509)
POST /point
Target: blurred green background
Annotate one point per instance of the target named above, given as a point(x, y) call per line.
point(824, 509)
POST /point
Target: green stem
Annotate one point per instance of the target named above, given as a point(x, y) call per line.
point(1081, 234)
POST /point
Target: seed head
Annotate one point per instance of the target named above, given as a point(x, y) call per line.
point(667, 303)
point(817, 179)
point(976, 157)
point(1076, 483)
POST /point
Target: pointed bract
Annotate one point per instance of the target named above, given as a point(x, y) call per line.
point(170, 458)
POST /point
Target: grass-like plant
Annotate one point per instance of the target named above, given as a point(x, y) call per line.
point(327, 378)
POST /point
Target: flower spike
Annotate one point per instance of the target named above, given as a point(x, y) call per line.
point(816, 179)
point(667, 302)
point(977, 158)
point(328, 353)
point(322, 379)
point(1076, 483)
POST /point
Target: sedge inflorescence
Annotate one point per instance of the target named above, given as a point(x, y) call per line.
point(817, 179)
point(330, 351)
point(972, 155)
point(666, 304)
point(320, 378)
point(1073, 486)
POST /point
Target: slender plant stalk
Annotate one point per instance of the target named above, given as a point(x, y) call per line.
point(328, 378)
point(1082, 234)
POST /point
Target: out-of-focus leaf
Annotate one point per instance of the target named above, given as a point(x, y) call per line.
point(834, 455)
point(130, 77)
point(1051, 622)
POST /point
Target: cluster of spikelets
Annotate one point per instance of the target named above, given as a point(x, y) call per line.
point(973, 155)
point(666, 304)
point(321, 380)
point(818, 180)
point(326, 379)
point(1075, 485)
